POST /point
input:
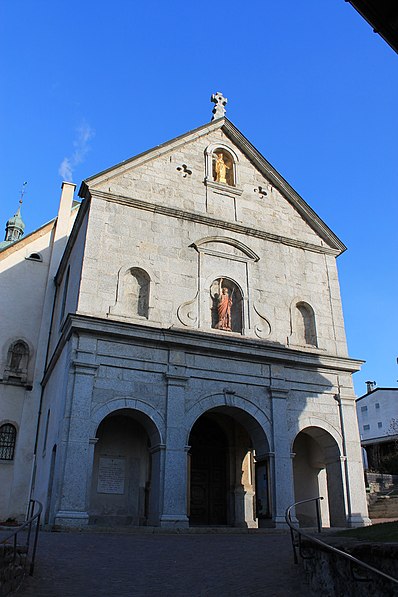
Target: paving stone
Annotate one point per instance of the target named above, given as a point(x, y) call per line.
point(156, 565)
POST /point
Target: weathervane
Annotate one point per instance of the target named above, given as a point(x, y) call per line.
point(22, 192)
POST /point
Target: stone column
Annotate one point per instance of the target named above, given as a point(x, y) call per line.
point(352, 464)
point(157, 475)
point(281, 463)
point(323, 491)
point(92, 442)
point(76, 451)
point(174, 511)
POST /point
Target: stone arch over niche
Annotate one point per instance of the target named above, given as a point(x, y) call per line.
point(18, 355)
point(228, 466)
point(227, 302)
point(222, 165)
point(317, 471)
point(223, 245)
point(303, 324)
point(125, 482)
point(219, 257)
point(132, 293)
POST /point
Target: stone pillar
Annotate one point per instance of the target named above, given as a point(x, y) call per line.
point(323, 491)
point(174, 510)
point(76, 450)
point(243, 491)
point(353, 471)
point(281, 463)
point(156, 490)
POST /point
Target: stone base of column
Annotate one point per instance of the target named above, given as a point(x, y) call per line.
point(280, 522)
point(358, 521)
point(71, 519)
point(176, 521)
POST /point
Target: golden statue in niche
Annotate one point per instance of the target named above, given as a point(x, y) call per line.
point(223, 168)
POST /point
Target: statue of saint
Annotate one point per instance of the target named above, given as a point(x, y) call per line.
point(17, 353)
point(221, 169)
point(224, 309)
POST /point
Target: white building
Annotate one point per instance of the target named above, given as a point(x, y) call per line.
point(189, 365)
point(378, 423)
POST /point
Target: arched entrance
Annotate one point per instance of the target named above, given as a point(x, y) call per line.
point(208, 468)
point(317, 471)
point(222, 469)
point(122, 471)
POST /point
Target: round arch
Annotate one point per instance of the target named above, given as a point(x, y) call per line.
point(143, 412)
point(126, 464)
point(315, 422)
point(317, 471)
point(228, 456)
point(255, 421)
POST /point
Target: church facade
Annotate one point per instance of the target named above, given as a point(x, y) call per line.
point(190, 365)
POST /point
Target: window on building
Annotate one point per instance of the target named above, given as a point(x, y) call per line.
point(364, 409)
point(8, 436)
point(379, 424)
point(377, 405)
point(366, 427)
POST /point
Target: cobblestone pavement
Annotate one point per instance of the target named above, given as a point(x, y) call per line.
point(156, 565)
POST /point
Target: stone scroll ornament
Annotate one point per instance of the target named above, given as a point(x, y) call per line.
point(224, 308)
point(187, 312)
point(262, 328)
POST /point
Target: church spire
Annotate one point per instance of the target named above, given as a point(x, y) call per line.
point(15, 226)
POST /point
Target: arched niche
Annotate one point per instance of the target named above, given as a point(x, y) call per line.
point(226, 305)
point(133, 293)
point(305, 322)
point(17, 362)
point(303, 325)
point(222, 167)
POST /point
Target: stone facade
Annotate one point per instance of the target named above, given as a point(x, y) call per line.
point(157, 411)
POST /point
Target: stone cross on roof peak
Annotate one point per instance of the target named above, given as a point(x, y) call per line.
point(220, 101)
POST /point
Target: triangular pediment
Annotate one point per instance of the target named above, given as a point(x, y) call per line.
point(174, 175)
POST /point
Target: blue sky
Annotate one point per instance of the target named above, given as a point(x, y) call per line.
point(89, 84)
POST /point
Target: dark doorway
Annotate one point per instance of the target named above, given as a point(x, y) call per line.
point(121, 472)
point(208, 502)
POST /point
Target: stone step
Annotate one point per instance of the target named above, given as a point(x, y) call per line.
point(144, 530)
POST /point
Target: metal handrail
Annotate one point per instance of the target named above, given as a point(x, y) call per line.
point(300, 533)
point(32, 521)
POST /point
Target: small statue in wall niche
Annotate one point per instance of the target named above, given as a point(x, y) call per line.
point(224, 308)
point(221, 169)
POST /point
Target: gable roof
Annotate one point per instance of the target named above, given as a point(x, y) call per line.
point(257, 159)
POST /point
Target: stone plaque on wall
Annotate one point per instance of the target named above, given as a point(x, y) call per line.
point(111, 475)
